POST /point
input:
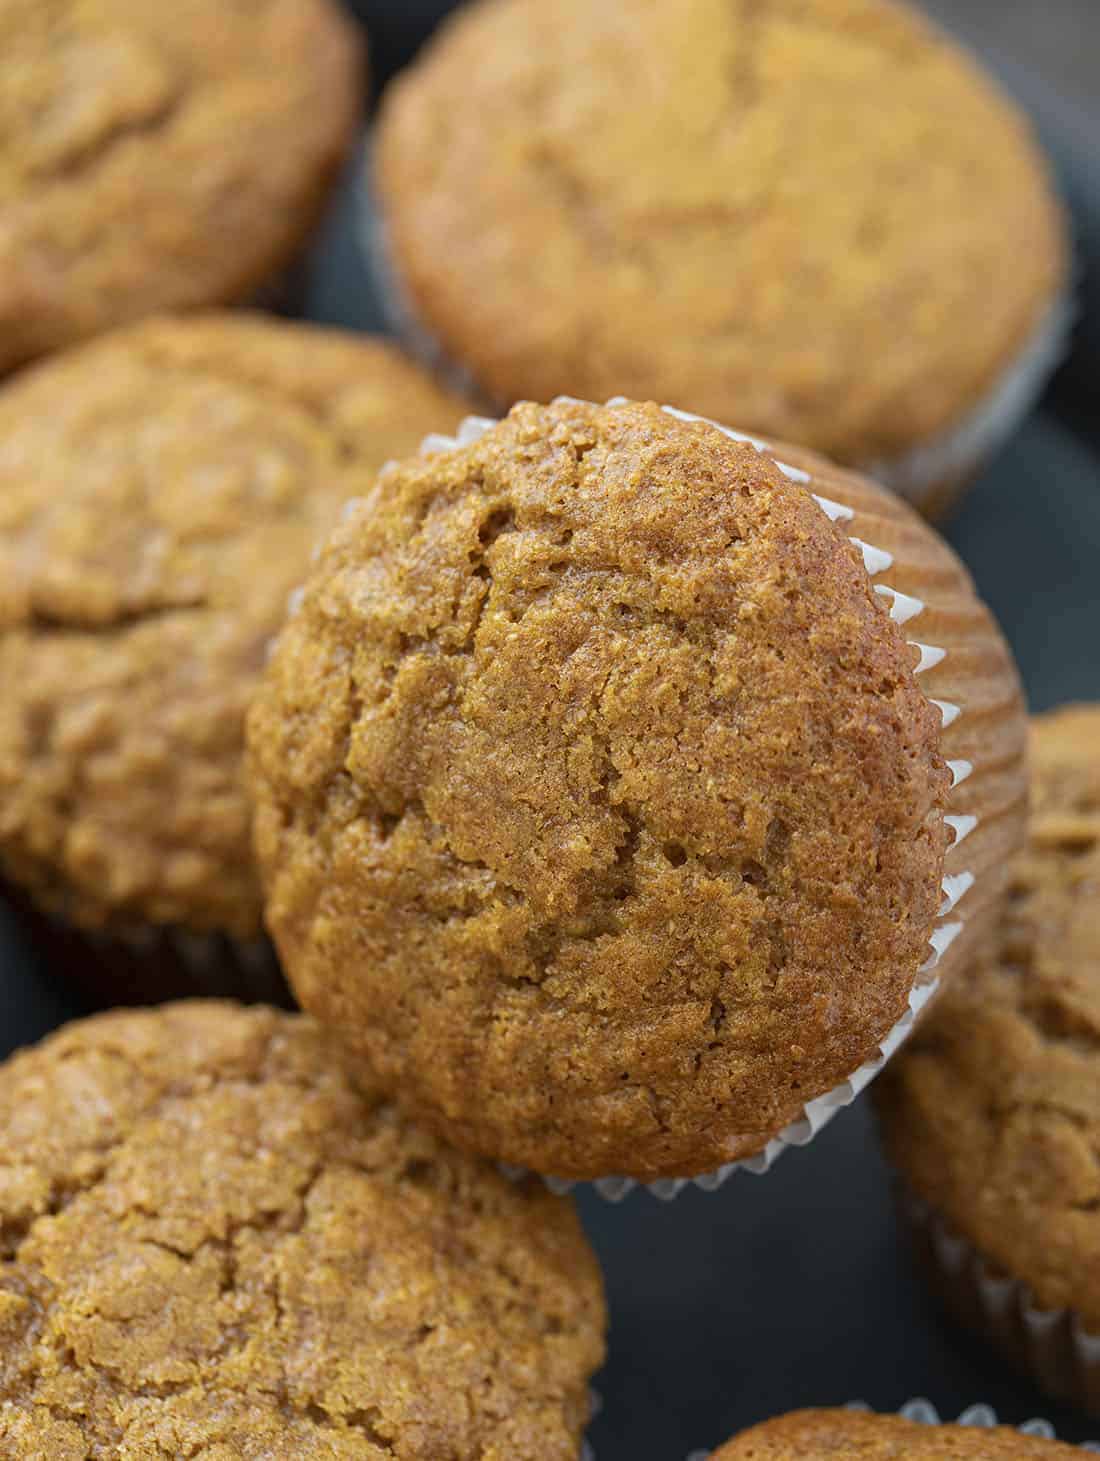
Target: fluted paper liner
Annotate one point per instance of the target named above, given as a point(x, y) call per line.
point(982, 1416)
point(930, 475)
point(1051, 1345)
point(966, 672)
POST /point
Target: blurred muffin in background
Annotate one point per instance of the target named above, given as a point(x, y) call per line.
point(992, 1116)
point(158, 156)
point(820, 221)
point(161, 491)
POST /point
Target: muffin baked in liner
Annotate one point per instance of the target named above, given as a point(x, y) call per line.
point(931, 475)
point(989, 1118)
point(855, 509)
point(161, 489)
point(728, 205)
point(923, 1412)
point(965, 672)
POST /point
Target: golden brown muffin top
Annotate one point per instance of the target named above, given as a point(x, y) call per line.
point(213, 1240)
point(157, 156)
point(993, 1114)
point(597, 802)
point(161, 491)
point(812, 1435)
point(815, 218)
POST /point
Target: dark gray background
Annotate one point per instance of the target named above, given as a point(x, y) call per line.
point(793, 1289)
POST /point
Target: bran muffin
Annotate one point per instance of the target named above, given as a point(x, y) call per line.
point(813, 1435)
point(815, 218)
point(161, 156)
point(601, 803)
point(992, 1115)
point(161, 490)
point(215, 1240)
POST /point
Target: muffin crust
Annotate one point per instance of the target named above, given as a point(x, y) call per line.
point(597, 802)
point(160, 493)
point(813, 1435)
point(993, 1113)
point(160, 156)
point(214, 1241)
point(722, 203)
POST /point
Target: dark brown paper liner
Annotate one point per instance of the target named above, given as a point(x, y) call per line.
point(151, 964)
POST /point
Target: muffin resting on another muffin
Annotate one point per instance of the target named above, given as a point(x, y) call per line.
point(600, 798)
point(214, 1240)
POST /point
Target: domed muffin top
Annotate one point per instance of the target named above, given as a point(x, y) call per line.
point(597, 800)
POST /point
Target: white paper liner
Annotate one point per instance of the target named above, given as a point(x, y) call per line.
point(1051, 1344)
point(816, 1114)
point(925, 1413)
point(928, 475)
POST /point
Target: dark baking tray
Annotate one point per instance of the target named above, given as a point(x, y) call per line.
point(794, 1289)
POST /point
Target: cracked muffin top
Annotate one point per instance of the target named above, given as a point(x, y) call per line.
point(159, 156)
point(725, 204)
point(993, 1113)
point(215, 1241)
point(845, 1435)
point(161, 491)
point(598, 804)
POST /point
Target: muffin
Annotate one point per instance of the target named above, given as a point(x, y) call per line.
point(992, 1116)
point(820, 221)
point(161, 156)
point(602, 805)
point(813, 1435)
point(161, 490)
point(216, 1240)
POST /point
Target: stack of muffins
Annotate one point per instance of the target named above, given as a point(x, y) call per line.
point(617, 790)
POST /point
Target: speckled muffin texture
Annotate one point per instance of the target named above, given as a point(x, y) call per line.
point(727, 204)
point(598, 803)
point(992, 1115)
point(161, 491)
point(161, 156)
point(812, 1435)
point(215, 1241)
